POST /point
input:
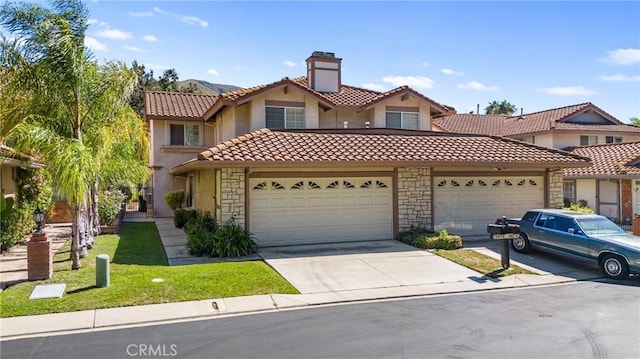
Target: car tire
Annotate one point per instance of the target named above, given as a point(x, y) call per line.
point(521, 244)
point(614, 267)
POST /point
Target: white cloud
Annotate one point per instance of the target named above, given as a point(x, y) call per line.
point(623, 56)
point(566, 91)
point(290, 63)
point(94, 44)
point(425, 64)
point(159, 11)
point(213, 72)
point(374, 87)
point(619, 78)
point(92, 21)
point(475, 85)
point(150, 38)
point(411, 81)
point(451, 72)
point(115, 34)
point(192, 20)
point(134, 49)
point(140, 14)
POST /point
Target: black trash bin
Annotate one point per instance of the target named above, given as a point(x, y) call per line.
point(142, 204)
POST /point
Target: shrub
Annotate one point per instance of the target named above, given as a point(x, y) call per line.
point(109, 206)
point(580, 207)
point(231, 240)
point(425, 239)
point(200, 234)
point(182, 216)
point(174, 199)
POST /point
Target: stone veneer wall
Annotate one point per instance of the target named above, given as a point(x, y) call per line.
point(556, 189)
point(233, 195)
point(414, 198)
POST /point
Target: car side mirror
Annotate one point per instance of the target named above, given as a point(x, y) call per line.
point(571, 231)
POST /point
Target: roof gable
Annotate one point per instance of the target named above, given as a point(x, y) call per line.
point(160, 105)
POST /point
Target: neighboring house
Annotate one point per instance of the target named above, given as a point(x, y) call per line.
point(576, 125)
point(313, 160)
point(611, 185)
point(604, 189)
point(10, 159)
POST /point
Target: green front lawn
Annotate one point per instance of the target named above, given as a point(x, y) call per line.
point(137, 257)
point(480, 263)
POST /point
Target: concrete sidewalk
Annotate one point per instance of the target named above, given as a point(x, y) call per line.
point(552, 272)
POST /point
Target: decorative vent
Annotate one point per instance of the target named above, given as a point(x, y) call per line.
point(482, 183)
point(276, 185)
point(333, 185)
point(469, 183)
point(314, 185)
point(442, 183)
point(366, 184)
point(298, 185)
point(381, 184)
point(260, 186)
point(347, 184)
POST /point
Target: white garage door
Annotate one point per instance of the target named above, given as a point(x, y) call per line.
point(465, 205)
point(320, 210)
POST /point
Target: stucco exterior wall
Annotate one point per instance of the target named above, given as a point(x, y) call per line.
point(163, 157)
point(6, 182)
point(414, 198)
point(556, 191)
point(586, 190)
point(335, 119)
point(233, 195)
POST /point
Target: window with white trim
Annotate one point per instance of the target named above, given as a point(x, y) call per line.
point(569, 189)
point(405, 120)
point(613, 139)
point(588, 140)
point(184, 135)
point(285, 117)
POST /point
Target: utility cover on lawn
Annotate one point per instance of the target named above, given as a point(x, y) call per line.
point(48, 291)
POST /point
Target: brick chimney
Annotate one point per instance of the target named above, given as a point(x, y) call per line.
point(324, 72)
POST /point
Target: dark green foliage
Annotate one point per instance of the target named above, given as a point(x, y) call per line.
point(182, 216)
point(231, 240)
point(174, 199)
point(425, 239)
point(200, 234)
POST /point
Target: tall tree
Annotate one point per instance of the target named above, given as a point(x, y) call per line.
point(76, 113)
point(635, 121)
point(496, 108)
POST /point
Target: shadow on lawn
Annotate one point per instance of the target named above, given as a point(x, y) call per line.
point(139, 244)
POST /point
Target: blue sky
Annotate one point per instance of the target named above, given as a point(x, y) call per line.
point(536, 55)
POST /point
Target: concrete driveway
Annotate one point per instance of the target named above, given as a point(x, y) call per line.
point(361, 265)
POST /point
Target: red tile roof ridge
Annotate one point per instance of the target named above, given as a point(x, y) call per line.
point(182, 93)
point(582, 105)
point(618, 144)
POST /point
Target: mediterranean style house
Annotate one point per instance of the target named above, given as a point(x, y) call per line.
point(612, 182)
point(310, 160)
point(608, 185)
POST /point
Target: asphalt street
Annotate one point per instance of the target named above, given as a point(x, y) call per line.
point(591, 319)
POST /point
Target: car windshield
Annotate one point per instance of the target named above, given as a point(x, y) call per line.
point(598, 226)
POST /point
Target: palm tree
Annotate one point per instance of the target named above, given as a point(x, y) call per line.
point(504, 107)
point(635, 121)
point(75, 113)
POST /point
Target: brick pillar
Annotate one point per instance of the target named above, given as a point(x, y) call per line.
point(39, 257)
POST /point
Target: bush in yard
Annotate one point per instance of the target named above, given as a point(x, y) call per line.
point(200, 234)
point(174, 199)
point(231, 240)
point(109, 206)
point(425, 239)
point(182, 216)
point(581, 206)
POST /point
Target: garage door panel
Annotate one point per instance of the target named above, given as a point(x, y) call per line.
point(316, 210)
point(475, 202)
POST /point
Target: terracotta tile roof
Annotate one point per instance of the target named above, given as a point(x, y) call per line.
point(10, 155)
point(531, 123)
point(376, 147)
point(177, 105)
point(610, 160)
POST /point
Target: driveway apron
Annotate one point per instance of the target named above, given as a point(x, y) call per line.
point(361, 265)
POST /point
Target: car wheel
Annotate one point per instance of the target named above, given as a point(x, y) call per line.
point(521, 244)
point(614, 267)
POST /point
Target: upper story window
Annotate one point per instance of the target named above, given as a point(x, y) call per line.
point(285, 117)
point(185, 135)
point(406, 120)
point(613, 139)
point(588, 140)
